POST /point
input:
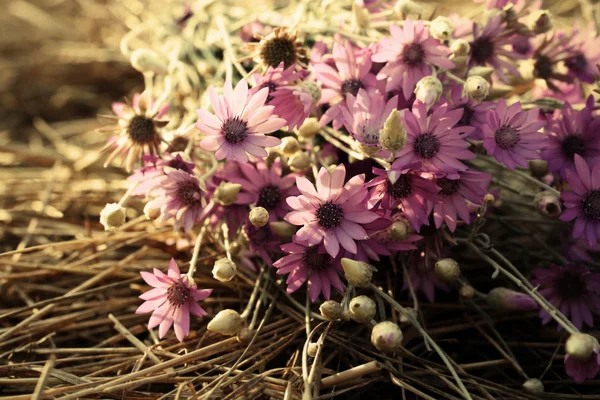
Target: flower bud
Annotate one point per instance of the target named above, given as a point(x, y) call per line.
point(309, 128)
point(447, 270)
point(489, 199)
point(540, 21)
point(283, 229)
point(226, 322)
point(362, 309)
point(428, 90)
point(312, 349)
point(386, 336)
point(226, 193)
point(259, 216)
point(533, 386)
point(112, 217)
point(484, 72)
point(224, 270)
point(538, 168)
point(244, 336)
point(399, 230)
point(405, 7)
point(441, 28)
point(151, 213)
point(580, 346)
point(460, 47)
point(393, 134)
point(360, 17)
point(146, 60)
point(505, 299)
point(331, 310)
point(467, 291)
point(289, 145)
point(548, 203)
point(404, 319)
point(313, 89)
point(300, 161)
point(476, 88)
point(358, 273)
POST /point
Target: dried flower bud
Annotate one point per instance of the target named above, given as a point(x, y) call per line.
point(226, 193)
point(489, 199)
point(399, 230)
point(460, 47)
point(289, 145)
point(467, 292)
point(313, 89)
point(362, 309)
point(538, 168)
point(505, 299)
point(476, 88)
point(405, 7)
point(484, 72)
point(404, 319)
point(146, 60)
point(312, 349)
point(580, 346)
point(540, 21)
point(358, 273)
point(283, 229)
point(244, 336)
point(533, 386)
point(386, 336)
point(441, 28)
point(428, 90)
point(331, 310)
point(226, 322)
point(259, 216)
point(393, 134)
point(447, 270)
point(224, 270)
point(112, 217)
point(360, 17)
point(299, 161)
point(548, 203)
point(309, 128)
point(151, 213)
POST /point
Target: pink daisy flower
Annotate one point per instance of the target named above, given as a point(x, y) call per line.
point(580, 371)
point(433, 140)
point(180, 198)
point(582, 204)
point(239, 124)
point(572, 132)
point(295, 103)
point(409, 54)
point(456, 190)
point(405, 187)
point(364, 117)
point(276, 79)
point(171, 301)
point(586, 54)
point(473, 116)
point(264, 186)
point(351, 73)
point(511, 135)
point(333, 212)
point(312, 264)
point(153, 173)
point(572, 289)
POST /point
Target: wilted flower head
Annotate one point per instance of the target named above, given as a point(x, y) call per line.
point(171, 301)
point(153, 172)
point(585, 54)
point(546, 58)
point(279, 46)
point(578, 366)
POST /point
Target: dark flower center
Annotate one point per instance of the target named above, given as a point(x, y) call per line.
point(507, 137)
point(572, 144)
point(543, 67)
point(570, 285)
point(272, 88)
point(413, 54)
point(278, 49)
point(351, 86)
point(269, 197)
point(235, 130)
point(179, 163)
point(179, 143)
point(141, 129)
point(590, 205)
point(466, 116)
point(186, 193)
point(178, 294)
point(401, 189)
point(330, 215)
point(448, 186)
point(315, 261)
point(521, 45)
point(577, 63)
point(482, 49)
point(426, 145)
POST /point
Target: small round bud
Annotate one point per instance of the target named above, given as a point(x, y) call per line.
point(362, 309)
point(226, 193)
point(447, 270)
point(399, 230)
point(289, 145)
point(393, 134)
point(112, 217)
point(313, 89)
point(300, 161)
point(484, 72)
point(312, 349)
point(358, 273)
point(533, 386)
point(505, 299)
point(259, 216)
point(538, 168)
point(467, 292)
point(460, 47)
point(540, 21)
point(548, 203)
point(224, 270)
point(331, 310)
point(489, 199)
point(580, 346)
point(283, 229)
point(386, 336)
point(476, 88)
point(441, 28)
point(244, 336)
point(226, 322)
point(146, 60)
point(428, 90)
point(404, 319)
point(151, 213)
point(405, 7)
point(309, 128)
